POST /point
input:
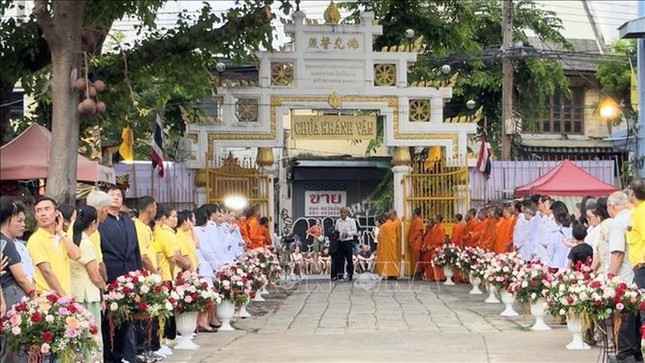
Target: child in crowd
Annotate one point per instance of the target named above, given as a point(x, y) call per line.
point(581, 253)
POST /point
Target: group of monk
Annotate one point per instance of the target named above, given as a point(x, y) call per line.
point(254, 230)
point(491, 229)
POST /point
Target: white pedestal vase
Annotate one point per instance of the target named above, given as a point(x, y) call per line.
point(491, 299)
point(447, 271)
point(186, 324)
point(258, 296)
point(225, 312)
point(575, 328)
point(537, 311)
point(508, 299)
point(264, 290)
point(475, 281)
point(243, 313)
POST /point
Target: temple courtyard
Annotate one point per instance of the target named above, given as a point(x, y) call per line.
point(395, 321)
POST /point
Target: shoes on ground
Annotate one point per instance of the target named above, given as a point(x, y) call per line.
point(165, 350)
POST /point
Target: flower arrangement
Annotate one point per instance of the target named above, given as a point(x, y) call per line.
point(268, 262)
point(233, 284)
point(192, 293)
point(471, 260)
point(251, 266)
point(611, 297)
point(138, 294)
point(48, 323)
point(446, 255)
point(503, 270)
point(530, 282)
point(566, 290)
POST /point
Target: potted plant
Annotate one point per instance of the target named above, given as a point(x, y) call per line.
point(49, 324)
point(192, 295)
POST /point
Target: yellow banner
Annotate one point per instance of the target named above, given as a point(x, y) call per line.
point(333, 127)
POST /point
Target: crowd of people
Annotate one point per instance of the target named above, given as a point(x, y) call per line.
point(76, 251)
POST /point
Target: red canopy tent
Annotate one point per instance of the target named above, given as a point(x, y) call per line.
point(566, 179)
point(27, 157)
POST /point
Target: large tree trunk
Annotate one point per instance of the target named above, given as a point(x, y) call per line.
point(63, 33)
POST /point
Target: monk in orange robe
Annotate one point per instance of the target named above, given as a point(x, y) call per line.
point(415, 240)
point(457, 236)
point(502, 231)
point(487, 238)
point(512, 212)
point(264, 224)
point(475, 234)
point(471, 220)
point(397, 223)
point(388, 250)
point(244, 230)
point(433, 239)
point(256, 238)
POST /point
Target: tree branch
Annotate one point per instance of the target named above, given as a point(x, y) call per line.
point(44, 19)
point(153, 50)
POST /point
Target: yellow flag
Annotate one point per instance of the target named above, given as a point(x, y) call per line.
point(633, 92)
point(127, 140)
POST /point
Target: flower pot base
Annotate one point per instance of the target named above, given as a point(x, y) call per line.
point(258, 297)
point(509, 311)
point(577, 344)
point(447, 271)
point(243, 313)
point(186, 344)
point(475, 282)
point(540, 325)
point(226, 326)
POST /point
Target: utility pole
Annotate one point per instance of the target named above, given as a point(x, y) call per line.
point(507, 83)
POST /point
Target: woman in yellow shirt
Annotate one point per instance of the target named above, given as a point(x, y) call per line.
point(185, 238)
point(86, 278)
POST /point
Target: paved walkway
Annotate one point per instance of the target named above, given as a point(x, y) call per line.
point(391, 321)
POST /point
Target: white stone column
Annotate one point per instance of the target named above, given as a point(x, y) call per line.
point(270, 172)
point(201, 196)
point(400, 171)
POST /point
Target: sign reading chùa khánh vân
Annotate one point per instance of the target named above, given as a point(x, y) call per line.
point(333, 127)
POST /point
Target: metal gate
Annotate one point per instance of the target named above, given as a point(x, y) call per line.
point(245, 179)
point(438, 187)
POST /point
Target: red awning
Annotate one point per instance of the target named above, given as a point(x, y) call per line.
point(566, 179)
point(27, 157)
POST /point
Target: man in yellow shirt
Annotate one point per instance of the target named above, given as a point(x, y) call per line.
point(147, 211)
point(51, 249)
point(635, 234)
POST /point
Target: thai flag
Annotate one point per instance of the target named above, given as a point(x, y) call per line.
point(156, 152)
point(484, 160)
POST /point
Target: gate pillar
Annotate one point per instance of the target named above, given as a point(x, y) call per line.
point(401, 160)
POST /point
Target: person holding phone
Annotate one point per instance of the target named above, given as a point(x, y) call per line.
point(51, 249)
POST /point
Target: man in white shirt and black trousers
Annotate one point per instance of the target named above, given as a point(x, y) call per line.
point(346, 228)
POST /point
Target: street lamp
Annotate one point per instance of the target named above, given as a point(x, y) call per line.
point(445, 69)
point(220, 67)
point(235, 202)
point(471, 104)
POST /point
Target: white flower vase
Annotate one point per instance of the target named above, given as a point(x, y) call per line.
point(475, 281)
point(447, 271)
point(258, 296)
point(575, 328)
point(491, 299)
point(243, 313)
point(508, 299)
point(186, 324)
point(537, 311)
point(225, 312)
point(264, 290)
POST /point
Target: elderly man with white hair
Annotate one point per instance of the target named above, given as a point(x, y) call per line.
point(100, 200)
point(628, 347)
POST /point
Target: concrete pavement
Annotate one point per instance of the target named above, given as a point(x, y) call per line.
point(319, 321)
